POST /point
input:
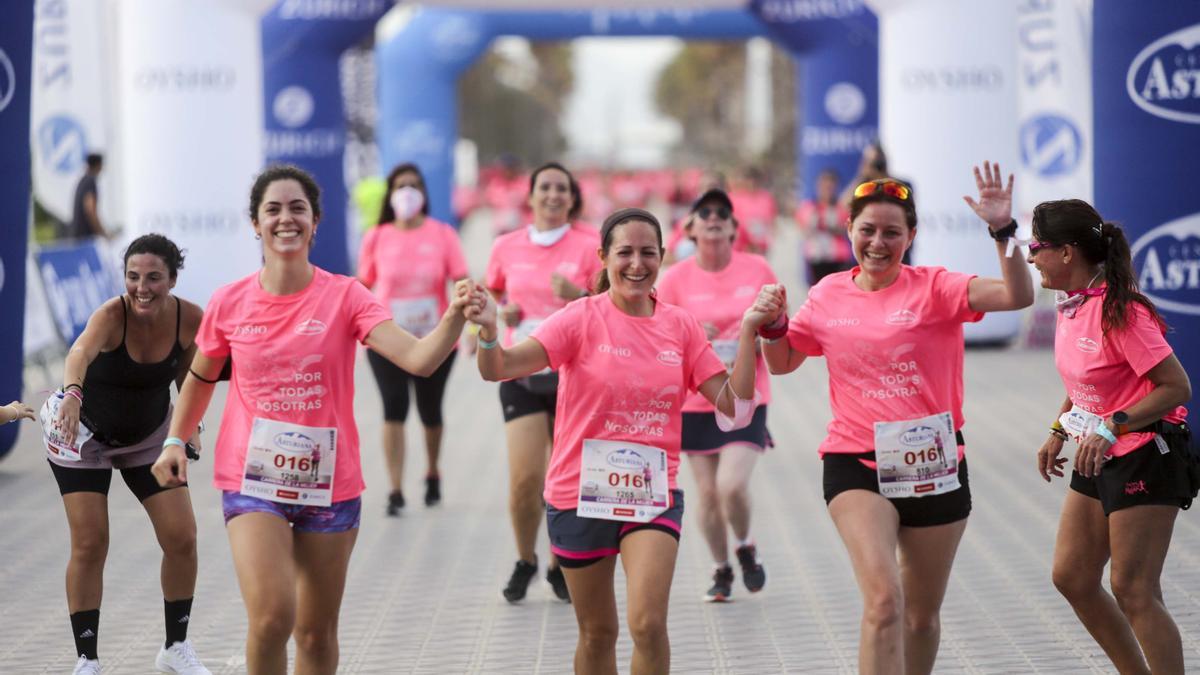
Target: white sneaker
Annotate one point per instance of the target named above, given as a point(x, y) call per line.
point(86, 666)
point(180, 658)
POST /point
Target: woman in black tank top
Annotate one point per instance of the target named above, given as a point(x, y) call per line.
point(116, 401)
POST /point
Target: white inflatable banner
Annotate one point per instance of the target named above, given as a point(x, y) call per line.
point(947, 81)
point(69, 99)
point(1054, 103)
point(190, 84)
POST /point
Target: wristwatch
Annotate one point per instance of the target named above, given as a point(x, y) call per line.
point(1004, 233)
point(1121, 420)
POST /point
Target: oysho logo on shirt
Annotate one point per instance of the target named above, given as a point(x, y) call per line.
point(1086, 344)
point(841, 323)
point(744, 291)
point(670, 357)
point(250, 329)
point(311, 327)
point(902, 317)
point(624, 352)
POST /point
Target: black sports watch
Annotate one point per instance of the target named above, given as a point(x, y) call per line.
point(1005, 233)
point(1121, 420)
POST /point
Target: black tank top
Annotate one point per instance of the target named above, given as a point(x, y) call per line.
point(125, 401)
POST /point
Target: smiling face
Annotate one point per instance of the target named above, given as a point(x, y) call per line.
point(879, 236)
point(551, 198)
point(285, 220)
point(633, 259)
point(148, 282)
point(1053, 262)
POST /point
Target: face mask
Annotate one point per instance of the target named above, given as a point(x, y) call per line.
point(407, 202)
point(1069, 302)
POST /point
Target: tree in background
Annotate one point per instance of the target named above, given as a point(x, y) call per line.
point(513, 108)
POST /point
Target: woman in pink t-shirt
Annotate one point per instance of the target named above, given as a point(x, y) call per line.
point(892, 338)
point(287, 457)
point(627, 363)
point(716, 286)
point(409, 260)
point(534, 272)
point(1124, 408)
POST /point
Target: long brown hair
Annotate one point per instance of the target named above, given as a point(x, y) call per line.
point(1075, 222)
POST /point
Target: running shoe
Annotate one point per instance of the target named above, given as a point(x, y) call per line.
point(518, 583)
point(722, 587)
point(180, 658)
point(433, 490)
point(86, 666)
point(559, 583)
point(395, 503)
point(753, 574)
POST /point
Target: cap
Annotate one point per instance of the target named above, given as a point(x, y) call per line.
point(715, 194)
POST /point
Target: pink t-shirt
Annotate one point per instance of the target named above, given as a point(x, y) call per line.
point(621, 377)
point(894, 354)
point(293, 361)
point(1106, 373)
point(521, 270)
point(408, 267)
point(756, 212)
point(720, 298)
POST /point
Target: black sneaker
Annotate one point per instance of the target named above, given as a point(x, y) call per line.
point(433, 490)
point(559, 583)
point(518, 583)
point(722, 587)
point(395, 503)
point(753, 574)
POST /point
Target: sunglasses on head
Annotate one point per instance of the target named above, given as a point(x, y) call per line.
point(890, 188)
point(707, 211)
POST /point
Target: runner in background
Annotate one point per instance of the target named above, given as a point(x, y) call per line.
point(756, 209)
point(716, 286)
point(892, 339)
point(609, 429)
point(410, 260)
point(825, 247)
point(290, 330)
point(679, 243)
point(112, 413)
point(534, 272)
point(1124, 409)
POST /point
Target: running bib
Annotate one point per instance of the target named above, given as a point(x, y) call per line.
point(726, 351)
point(418, 316)
point(916, 458)
point(290, 463)
point(622, 481)
point(56, 444)
point(1079, 423)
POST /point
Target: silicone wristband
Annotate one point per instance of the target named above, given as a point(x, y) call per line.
point(488, 344)
point(174, 440)
point(1103, 432)
point(775, 330)
point(74, 393)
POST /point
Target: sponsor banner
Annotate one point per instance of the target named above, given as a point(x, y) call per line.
point(303, 41)
point(948, 102)
point(70, 85)
point(189, 80)
point(1147, 115)
point(76, 279)
point(837, 83)
point(1054, 103)
point(16, 43)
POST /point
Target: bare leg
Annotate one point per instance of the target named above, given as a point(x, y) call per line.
point(1080, 553)
point(433, 449)
point(175, 527)
point(87, 517)
point(321, 563)
point(596, 613)
point(733, 486)
point(926, 556)
point(1139, 537)
point(528, 453)
point(869, 527)
point(712, 519)
point(262, 550)
point(648, 557)
point(393, 453)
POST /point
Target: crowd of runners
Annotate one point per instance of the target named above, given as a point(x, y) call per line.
point(619, 349)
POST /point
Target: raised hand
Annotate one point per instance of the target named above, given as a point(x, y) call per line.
point(563, 288)
point(995, 199)
point(768, 307)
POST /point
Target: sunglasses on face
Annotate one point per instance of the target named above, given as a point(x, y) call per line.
point(1035, 246)
point(706, 212)
point(888, 187)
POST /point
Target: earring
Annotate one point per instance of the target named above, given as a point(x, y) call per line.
point(258, 236)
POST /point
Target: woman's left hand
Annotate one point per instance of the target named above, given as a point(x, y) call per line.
point(1090, 456)
point(770, 304)
point(995, 200)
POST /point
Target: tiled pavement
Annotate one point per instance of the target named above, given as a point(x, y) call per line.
point(423, 593)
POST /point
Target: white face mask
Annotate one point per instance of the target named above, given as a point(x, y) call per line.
point(407, 202)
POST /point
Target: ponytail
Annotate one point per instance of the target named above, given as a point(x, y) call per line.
point(1121, 281)
point(602, 284)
